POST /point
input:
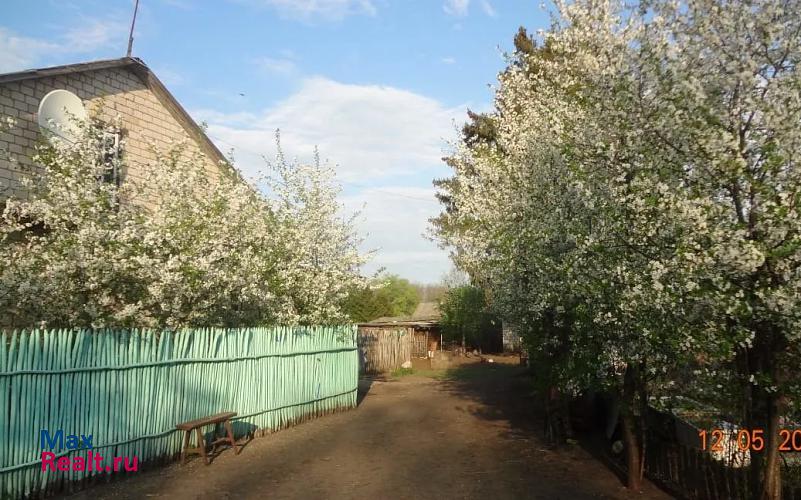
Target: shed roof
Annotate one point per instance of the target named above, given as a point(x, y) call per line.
point(426, 315)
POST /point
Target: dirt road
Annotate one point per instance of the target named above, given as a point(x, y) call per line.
point(469, 436)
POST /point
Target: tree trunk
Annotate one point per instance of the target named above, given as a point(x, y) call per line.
point(772, 484)
point(764, 407)
point(557, 417)
point(765, 465)
point(633, 459)
point(633, 427)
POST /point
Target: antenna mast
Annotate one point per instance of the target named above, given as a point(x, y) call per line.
point(133, 22)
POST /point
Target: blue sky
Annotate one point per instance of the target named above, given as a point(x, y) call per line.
point(380, 86)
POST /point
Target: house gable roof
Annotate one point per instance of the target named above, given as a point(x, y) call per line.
point(151, 81)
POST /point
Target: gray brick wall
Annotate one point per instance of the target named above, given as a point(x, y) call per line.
point(106, 93)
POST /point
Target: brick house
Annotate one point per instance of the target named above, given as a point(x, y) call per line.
point(123, 87)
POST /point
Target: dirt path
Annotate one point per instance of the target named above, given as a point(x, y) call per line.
point(415, 437)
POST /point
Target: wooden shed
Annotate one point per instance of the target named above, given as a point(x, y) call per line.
point(386, 343)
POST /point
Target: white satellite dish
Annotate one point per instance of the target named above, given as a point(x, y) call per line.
point(60, 113)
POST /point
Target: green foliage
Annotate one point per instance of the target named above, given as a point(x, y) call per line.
point(466, 319)
point(386, 296)
point(402, 296)
point(524, 44)
point(364, 304)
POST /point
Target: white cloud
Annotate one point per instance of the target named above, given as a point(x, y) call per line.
point(448, 60)
point(325, 9)
point(92, 34)
point(378, 136)
point(371, 131)
point(394, 220)
point(488, 9)
point(19, 52)
point(456, 7)
point(224, 120)
point(277, 66)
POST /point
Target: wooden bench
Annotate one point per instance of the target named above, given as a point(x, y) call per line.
point(197, 425)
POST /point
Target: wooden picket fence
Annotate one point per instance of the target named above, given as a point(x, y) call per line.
point(694, 474)
point(383, 349)
point(675, 461)
point(129, 388)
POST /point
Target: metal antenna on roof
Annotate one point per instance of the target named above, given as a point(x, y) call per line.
point(133, 22)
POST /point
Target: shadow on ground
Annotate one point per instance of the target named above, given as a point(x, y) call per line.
point(364, 389)
point(505, 392)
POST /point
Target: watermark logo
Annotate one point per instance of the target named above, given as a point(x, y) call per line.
point(59, 441)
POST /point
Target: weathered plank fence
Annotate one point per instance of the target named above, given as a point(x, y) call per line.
point(128, 389)
point(675, 461)
point(383, 349)
point(694, 474)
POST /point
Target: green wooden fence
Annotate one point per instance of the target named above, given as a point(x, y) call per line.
point(129, 389)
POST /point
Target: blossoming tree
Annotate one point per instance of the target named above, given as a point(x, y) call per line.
point(179, 247)
point(632, 204)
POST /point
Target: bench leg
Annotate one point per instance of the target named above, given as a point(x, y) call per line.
point(214, 435)
point(230, 432)
point(185, 446)
point(201, 444)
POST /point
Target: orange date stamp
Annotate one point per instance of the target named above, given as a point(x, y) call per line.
point(749, 439)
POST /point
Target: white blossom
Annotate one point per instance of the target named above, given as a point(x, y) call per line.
point(179, 247)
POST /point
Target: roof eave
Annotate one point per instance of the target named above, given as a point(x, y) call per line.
point(138, 67)
point(65, 69)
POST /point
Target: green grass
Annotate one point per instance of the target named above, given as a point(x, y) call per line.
point(435, 374)
point(402, 372)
